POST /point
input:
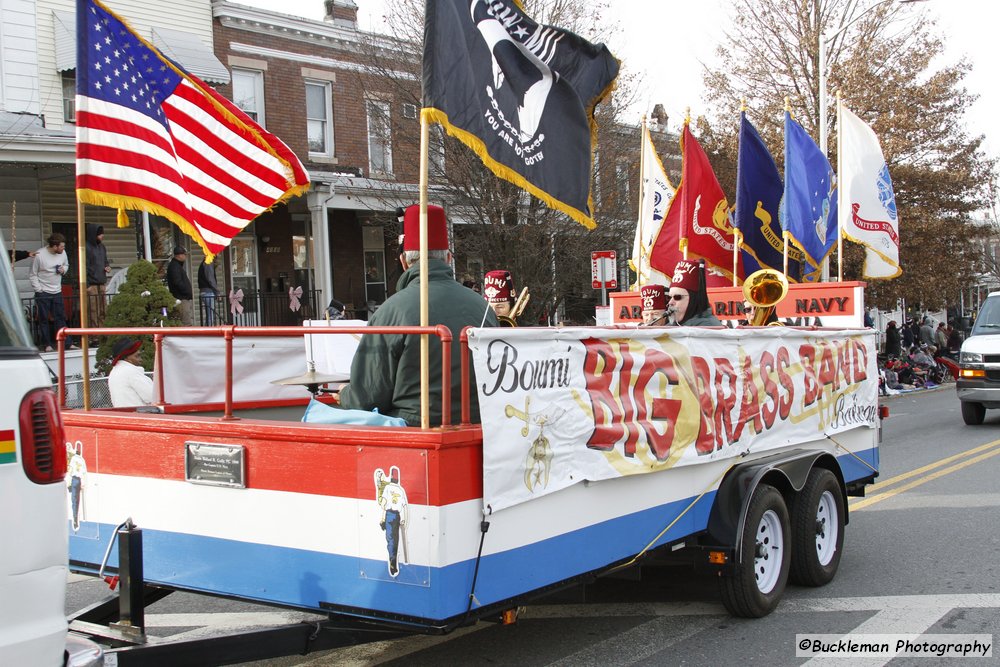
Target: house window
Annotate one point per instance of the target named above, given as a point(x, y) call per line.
point(69, 96)
point(248, 93)
point(374, 245)
point(318, 118)
point(379, 138)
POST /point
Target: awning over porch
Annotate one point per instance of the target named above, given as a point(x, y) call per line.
point(184, 48)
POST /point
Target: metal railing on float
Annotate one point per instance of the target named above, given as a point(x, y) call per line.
point(229, 333)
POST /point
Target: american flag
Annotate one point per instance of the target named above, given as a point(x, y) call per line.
point(153, 137)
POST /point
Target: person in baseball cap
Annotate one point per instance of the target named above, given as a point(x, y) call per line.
point(654, 304)
point(499, 292)
point(688, 297)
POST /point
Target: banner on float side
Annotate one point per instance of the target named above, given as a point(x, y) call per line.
point(563, 406)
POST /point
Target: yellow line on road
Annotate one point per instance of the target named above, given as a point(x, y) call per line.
point(861, 504)
point(931, 466)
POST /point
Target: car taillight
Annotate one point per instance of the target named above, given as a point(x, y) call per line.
point(42, 448)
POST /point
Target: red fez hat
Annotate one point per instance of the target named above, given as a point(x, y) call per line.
point(686, 276)
point(654, 297)
point(437, 228)
point(498, 287)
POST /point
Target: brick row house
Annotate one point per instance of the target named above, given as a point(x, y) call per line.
point(310, 83)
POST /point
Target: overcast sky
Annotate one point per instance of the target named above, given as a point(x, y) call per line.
point(667, 40)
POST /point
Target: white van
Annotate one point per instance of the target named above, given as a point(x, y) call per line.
point(978, 381)
point(33, 514)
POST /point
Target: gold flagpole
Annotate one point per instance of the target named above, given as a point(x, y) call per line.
point(737, 232)
point(425, 386)
point(81, 253)
point(642, 196)
point(684, 241)
point(784, 232)
point(840, 200)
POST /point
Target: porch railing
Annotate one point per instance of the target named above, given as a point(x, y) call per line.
point(259, 309)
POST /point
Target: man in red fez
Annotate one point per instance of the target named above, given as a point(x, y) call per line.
point(688, 297)
point(654, 305)
point(385, 373)
point(498, 289)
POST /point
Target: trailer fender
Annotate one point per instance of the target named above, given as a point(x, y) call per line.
point(787, 472)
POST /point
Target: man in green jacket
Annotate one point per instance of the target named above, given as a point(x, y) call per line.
point(385, 373)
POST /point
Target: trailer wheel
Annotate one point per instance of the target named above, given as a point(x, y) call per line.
point(817, 530)
point(758, 582)
point(973, 414)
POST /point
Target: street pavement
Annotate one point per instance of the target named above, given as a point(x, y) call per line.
point(921, 555)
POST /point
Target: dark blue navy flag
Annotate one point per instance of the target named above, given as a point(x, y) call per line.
point(758, 197)
point(809, 207)
point(520, 94)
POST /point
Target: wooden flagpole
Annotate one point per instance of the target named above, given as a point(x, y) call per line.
point(425, 393)
point(81, 250)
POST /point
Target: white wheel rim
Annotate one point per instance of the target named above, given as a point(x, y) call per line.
point(827, 526)
point(769, 552)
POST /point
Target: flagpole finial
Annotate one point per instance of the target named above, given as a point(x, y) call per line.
point(687, 115)
point(788, 104)
point(743, 104)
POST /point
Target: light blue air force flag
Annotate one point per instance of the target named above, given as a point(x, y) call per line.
point(809, 206)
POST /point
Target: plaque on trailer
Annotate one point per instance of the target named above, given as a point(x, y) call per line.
point(216, 465)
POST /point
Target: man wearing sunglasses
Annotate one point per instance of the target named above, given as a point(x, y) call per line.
point(687, 302)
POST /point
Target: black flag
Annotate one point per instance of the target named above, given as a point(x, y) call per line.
point(520, 94)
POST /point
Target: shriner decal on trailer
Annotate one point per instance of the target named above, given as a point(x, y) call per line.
point(561, 408)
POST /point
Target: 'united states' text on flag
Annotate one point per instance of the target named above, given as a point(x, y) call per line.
point(152, 137)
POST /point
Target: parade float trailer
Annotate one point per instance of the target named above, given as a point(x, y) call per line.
point(598, 447)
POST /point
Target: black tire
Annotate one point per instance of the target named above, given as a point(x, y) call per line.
point(973, 413)
point(817, 535)
point(765, 537)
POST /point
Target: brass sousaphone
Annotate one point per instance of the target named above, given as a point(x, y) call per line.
point(764, 289)
point(519, 305)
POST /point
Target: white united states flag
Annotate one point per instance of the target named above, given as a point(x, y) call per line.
point(152, 137)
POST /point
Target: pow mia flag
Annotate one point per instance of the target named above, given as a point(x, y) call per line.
point(520, 94)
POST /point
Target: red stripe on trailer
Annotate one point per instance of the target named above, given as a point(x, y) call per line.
point(329, 460)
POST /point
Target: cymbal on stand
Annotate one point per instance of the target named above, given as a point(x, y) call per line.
point(312, 380)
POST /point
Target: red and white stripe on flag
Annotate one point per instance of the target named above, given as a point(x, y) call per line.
point(153, 137)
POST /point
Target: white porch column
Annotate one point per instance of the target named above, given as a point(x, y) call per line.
point(318, 198)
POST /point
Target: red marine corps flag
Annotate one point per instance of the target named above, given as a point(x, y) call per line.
point(520, 94)
point(698, 219)
point(153, 137)
point(705, 227)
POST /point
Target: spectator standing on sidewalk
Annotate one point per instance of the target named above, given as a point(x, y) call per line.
point(892, 340)
point(48, 267)
point(180, 285)
point(98, 270)
point(209, 289)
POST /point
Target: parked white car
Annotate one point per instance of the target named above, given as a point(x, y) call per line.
point(978, 383)
point(33, 515)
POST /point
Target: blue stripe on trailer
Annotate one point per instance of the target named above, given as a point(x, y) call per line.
point(302, 579)
point(854, 469)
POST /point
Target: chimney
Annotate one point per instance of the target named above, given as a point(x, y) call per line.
point(341, 13)
point(659, 115)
